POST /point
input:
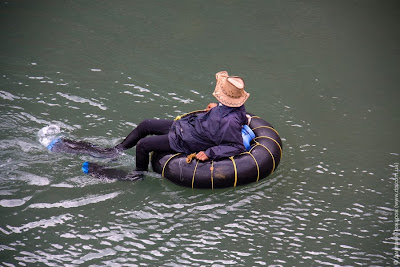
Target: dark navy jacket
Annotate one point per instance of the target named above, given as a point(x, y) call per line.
point(217, 132)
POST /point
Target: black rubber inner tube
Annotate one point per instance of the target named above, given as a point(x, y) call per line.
point(260, 161)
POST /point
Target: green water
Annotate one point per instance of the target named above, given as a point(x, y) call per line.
point(325, 74)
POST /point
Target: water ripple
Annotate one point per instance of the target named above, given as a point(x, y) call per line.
point(79, 99)
point(10, 203)
point(316, 209)
point(90, 199)
point(43, 223)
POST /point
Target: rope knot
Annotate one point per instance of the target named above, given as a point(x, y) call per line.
point(190, 157)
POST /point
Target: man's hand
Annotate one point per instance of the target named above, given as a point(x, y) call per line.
point(210, 106)
point(201, 156)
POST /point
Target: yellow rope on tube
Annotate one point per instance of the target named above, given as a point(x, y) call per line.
point(165, 164)
point(272, 156)
point(266, 127)
point(194, 173)
point(258, 169)
point(234, 166)
point(190, 157)
point(280, 148)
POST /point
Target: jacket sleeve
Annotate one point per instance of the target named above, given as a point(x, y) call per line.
point(224, 151)
point(230, 142)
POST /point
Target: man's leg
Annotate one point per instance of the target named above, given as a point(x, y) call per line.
point(145, 128)
point(157, 143)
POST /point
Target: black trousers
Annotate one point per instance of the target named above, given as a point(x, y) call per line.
point(148, 136)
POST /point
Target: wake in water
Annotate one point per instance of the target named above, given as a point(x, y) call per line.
point(52, 138)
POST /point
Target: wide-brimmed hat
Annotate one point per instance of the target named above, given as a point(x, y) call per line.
point(230, 90)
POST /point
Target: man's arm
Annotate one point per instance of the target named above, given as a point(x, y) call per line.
point(221, 151)
point(224, 151)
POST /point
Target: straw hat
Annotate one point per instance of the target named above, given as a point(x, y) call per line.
point(230, 90)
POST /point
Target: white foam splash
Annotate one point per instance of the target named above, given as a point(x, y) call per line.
point(48, 133)
point(33, 179)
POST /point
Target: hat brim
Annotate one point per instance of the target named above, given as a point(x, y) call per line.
point(227, 100)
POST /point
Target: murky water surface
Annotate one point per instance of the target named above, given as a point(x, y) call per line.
point(324, 73)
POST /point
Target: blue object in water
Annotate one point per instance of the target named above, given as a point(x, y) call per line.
point(247, 135)
point(52, 143)
point(85, 167)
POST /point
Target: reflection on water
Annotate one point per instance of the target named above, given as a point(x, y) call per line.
point(330, 202)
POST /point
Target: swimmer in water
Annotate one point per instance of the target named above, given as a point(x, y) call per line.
point(213, 134)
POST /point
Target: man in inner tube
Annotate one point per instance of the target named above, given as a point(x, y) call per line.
point(215, 134)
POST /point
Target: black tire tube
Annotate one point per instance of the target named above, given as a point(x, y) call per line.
point(261, 161)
